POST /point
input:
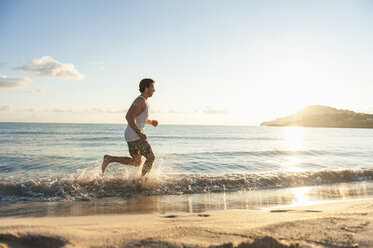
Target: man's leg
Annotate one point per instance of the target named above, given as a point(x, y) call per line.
point(135, 160)
point(148, 163)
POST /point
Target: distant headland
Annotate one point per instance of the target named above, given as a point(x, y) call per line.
point(323, 116)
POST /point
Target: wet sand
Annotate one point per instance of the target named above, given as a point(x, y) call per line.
point(344, 223)
point(190, 203)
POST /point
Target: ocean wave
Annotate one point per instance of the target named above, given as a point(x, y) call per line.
point(225, 138)
point(269, 153)
point(60, 132)
point(91, 185)
point(100, 138)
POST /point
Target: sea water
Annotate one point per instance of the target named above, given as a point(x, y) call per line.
point(54, 162)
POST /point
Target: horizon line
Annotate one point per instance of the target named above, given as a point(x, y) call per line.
point(99, 123)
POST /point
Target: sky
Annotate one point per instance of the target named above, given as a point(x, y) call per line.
point(214, 62)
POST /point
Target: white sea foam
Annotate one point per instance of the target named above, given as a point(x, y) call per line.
point(89, 183)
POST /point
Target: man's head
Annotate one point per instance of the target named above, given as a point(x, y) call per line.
point(146, 86)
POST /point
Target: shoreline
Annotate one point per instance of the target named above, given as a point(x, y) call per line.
point(190, 203)
point(346, 223)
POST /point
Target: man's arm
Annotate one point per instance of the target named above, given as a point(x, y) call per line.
point(136, 109)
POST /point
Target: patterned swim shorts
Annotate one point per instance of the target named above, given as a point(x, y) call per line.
point(139, 147)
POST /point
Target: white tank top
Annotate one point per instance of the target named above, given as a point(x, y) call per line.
point(140, 120)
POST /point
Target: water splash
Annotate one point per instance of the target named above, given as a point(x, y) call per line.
point(90, 183)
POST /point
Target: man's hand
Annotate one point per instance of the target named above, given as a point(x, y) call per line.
point(142, 136)
point(154, 123)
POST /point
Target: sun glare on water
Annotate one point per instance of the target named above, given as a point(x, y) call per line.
point(301, 196)
point(292, 163)
point(293, 137)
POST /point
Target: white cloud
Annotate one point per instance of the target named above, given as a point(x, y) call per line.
point(173, 111)
point(36, 91)
point(90, 110)
point(28, 110)
point(47, 66)
point(99, 65)
point(60, 110)
point(6, 108)
point(207, 110)
point(11, 83)
point(105, 110)
point(2, 63)
point(10, 108)
point(212, 110)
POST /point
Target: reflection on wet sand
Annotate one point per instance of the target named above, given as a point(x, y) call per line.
point(194, 203)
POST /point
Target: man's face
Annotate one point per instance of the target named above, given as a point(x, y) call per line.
point(151, 90)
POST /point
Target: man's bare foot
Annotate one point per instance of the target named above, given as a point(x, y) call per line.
point(139, 180)
point(105, 163)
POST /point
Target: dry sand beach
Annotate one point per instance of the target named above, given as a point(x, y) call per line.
point(330, 224)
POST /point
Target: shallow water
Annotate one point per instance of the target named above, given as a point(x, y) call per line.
point(56, 162)
point(192, 203)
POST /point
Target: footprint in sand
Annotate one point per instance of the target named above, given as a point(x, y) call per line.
point(288, 210)
point(170, 216)
point(281, 211)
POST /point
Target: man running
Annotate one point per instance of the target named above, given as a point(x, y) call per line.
point(137, 118)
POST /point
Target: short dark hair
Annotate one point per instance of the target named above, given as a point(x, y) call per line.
point(145, 83)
